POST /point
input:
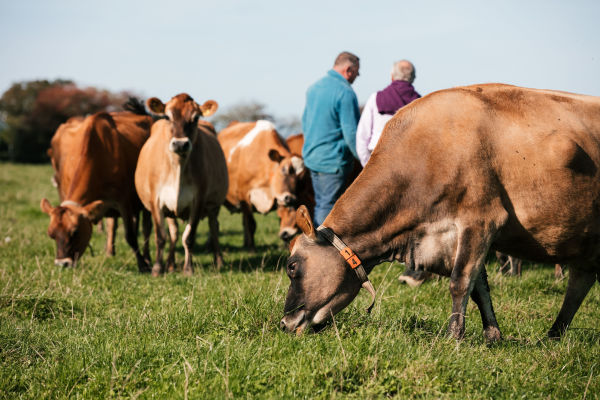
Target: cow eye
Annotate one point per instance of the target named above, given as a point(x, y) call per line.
point(291, 269)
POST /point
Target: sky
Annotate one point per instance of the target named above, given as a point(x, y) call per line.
point(271, 51)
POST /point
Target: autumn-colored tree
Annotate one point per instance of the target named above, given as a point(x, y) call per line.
point(32, 111)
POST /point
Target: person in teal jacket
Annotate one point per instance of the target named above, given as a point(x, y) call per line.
point(329, 124)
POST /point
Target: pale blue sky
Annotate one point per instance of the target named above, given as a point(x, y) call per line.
point(271, 51)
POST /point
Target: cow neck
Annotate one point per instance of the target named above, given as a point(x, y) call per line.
point(368, 217)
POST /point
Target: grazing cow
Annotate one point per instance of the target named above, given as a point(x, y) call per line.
point(455, 174)
point(263, 173)
point(181, 173)
point(94, 162)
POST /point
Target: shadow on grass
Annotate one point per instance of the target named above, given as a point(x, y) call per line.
point(39, 308)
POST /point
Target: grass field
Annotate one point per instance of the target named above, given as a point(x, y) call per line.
point(102, 330)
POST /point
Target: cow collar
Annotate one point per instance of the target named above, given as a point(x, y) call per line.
point(351, 258)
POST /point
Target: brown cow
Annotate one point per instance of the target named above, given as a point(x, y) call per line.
point(455, 174)
point(263, 173)
point(94, 161)
point(181, 173)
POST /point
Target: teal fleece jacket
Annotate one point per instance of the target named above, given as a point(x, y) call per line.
point(329, 124)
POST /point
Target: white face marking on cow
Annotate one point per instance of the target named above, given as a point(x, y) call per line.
point(261, 125)
point(261, 200)
point(298, 164)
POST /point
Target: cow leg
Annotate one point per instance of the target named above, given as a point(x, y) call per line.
point(249, 227)
point(131, 236)
point(189, 239)
point(580, 282)
point(160, 237)
point(173, 235)
point(213, 225)
point(481, 297)
point(558, 271)
point(147, 230)
point(111, 229)
point(472, 248)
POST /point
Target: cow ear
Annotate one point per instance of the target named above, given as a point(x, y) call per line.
point(298, 164)
point(155, 106)
point(95, 210)
point(209, 108)
point(46, 206)
point(304, 222)
point(275, 156)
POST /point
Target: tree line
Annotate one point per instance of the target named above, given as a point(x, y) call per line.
point(31, 111)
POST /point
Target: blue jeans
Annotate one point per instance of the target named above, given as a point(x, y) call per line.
point(328, 188)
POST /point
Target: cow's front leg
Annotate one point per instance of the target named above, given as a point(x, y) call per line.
point(481, 297)
point(249, 226)
point(129, 223)
point(147, 230)
point(580, 282)
point(111, 229)
point(213, 225)
point(173, 235)
point(189, 239)
point(160, 236)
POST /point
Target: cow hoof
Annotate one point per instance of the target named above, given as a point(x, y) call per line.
point(492, 334)
point(554, 334)
point(171, 269)
point(156, 270)
point(188, 272)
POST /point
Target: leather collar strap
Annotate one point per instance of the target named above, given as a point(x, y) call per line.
point(352, 260)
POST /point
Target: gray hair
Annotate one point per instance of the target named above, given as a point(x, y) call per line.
point(345, 57)
point(404, 70)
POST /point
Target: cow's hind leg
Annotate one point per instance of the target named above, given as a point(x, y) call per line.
point(173, 235)
point(481, 297)
point(472, 248)
point(213, 225)
point(580, 282)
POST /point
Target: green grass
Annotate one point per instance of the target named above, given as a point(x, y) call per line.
point(102, 330)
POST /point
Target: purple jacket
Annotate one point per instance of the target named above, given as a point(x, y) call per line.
point(396, 95)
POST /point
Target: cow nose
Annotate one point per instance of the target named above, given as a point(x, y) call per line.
point(63, 262)
point(288, 199)
point(180, 146)
point(287, 234)
point(282, 325)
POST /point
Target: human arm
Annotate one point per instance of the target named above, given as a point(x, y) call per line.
point(364, 131)
point(349, 115)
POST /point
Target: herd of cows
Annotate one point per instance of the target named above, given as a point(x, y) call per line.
point(456, 174)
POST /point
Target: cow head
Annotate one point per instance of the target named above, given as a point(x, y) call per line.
point(183, 113)
point(285, 179)
point(71, 228)
point(321, 283)
point(287, 223)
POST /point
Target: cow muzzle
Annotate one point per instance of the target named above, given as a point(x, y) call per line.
point(180, 147)
point(64, 262)
point(286, 199)
point(287, 234)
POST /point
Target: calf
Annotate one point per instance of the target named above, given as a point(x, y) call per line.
point(513, 170)
point(263, 173)
point(181, 173)
point(94, 161)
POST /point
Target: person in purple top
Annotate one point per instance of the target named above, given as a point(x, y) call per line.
point(379, 109)
point(382, 105)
